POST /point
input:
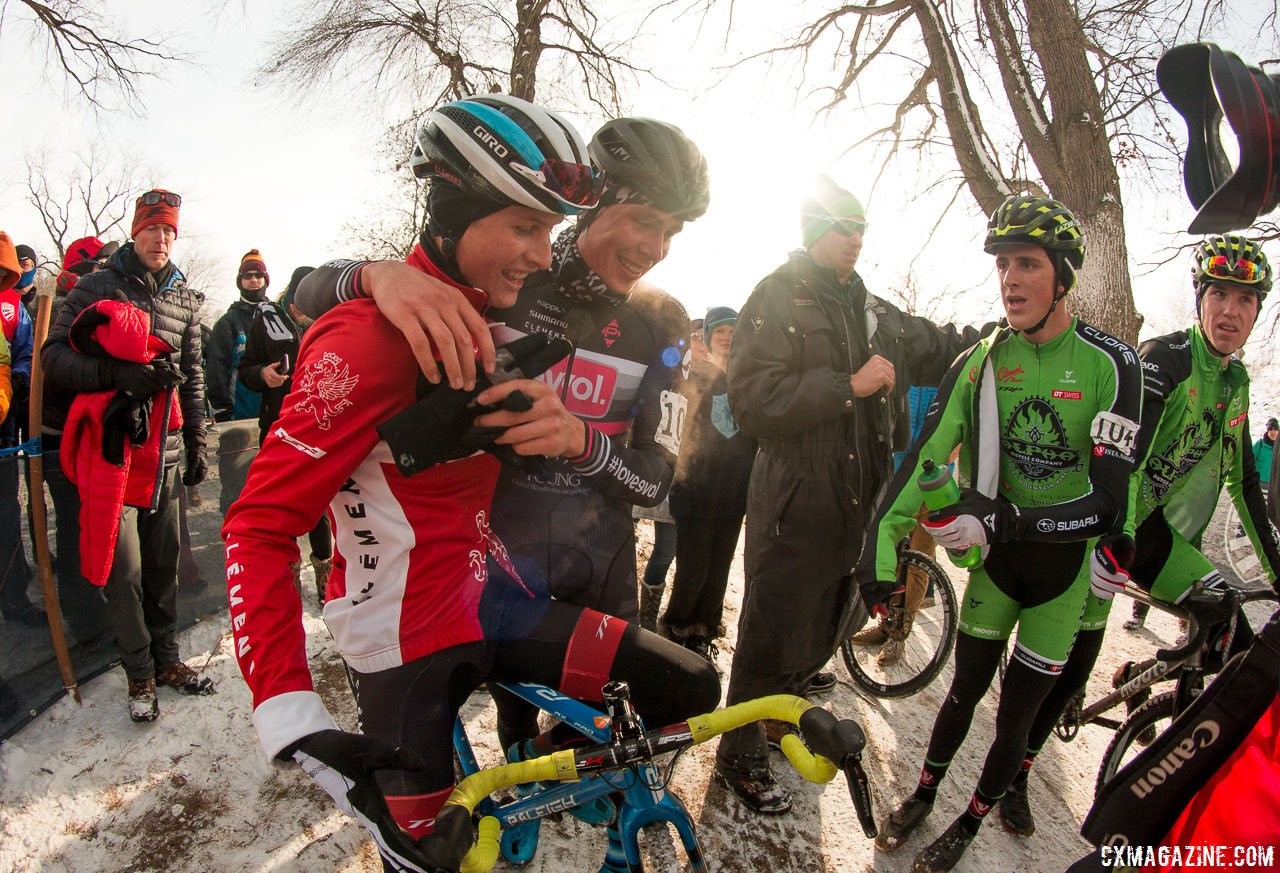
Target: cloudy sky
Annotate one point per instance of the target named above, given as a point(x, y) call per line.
point(259, 167)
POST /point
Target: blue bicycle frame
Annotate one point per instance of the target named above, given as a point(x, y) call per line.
point(645, 799)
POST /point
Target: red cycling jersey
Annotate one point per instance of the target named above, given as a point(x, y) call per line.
point(410, 553)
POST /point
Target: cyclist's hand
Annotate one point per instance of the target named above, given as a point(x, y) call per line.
point(443, 425)
point(344, 765)
point(876, 595)
point(1108, 566)
point(434, 317)
point(977, 520)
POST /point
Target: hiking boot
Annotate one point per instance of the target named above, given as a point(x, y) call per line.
point(821, 683)
point(755, 786)
point(946, 851)
point(895, 829)
point(184, 680)
point(890, 653)
point(775, 730)
point(296, 569)
point(1015, 810)
point(143, 706)
point(650, 601)
point(871, 635)
point(323, 567)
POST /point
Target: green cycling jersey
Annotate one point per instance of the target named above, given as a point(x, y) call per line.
point(1049, 427)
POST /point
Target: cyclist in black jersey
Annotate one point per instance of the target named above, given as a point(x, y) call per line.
point(1046, 411)
point(1193, 441)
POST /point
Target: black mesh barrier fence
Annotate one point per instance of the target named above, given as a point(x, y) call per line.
point(30, 681)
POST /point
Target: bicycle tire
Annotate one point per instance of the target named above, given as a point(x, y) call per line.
point(1122, 747)
point(927, 647)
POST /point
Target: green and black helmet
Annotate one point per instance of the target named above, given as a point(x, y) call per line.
point(1024, 219)
point(1231, 259)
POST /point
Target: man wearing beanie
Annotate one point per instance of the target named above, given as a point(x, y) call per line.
point(818, 374)
point(230, 399)
point(142, 589)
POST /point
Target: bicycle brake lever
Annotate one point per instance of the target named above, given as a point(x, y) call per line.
point(860, 793)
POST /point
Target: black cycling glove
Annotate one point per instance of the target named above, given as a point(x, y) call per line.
point(439, 427)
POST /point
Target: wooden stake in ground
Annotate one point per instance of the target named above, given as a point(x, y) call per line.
point(39, 511)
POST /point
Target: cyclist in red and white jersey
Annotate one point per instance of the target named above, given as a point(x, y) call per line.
point(410, 604)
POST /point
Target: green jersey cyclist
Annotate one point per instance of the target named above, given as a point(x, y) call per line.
point(1193, 440)
point(1045, 411)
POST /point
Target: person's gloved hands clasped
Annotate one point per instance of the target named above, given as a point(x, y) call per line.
point(1109, 565)
point(440, 427)
point(977, 520)
point(144, 380)
point(344, 765)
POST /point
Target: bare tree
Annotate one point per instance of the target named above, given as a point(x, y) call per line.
point(446, 49)
point(95, 198)
point(1035, 95)
point(86, 46)
point(392, 226)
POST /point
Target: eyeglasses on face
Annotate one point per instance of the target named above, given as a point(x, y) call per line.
point(151, 198)
point(252, 274)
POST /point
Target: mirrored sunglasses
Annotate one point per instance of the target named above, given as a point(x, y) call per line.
point(1219, 267)
point(579, 184)
point(151, 198)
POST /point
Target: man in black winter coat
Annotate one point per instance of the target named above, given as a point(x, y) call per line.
point(142, 589)
point(818, 374)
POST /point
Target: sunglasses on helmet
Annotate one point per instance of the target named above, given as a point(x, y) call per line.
point(151, 198)
point(579, 184)
point(1220, 267)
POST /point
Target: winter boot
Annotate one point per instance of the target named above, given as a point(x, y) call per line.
point(945, 852)
point(650, 601)
point(890, 653)
point(296, 568)
point(755, 785)
point(871, 635)
point(184, 680)
point(900, 824)
point(1015, 809)
point(143, 706)
point(323, 567)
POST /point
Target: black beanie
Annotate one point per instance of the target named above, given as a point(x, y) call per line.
point(298, 275)
point(25, 252)
point(452, 210)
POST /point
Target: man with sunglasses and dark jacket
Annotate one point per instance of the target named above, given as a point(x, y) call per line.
point(819, 375)
point(142, 588)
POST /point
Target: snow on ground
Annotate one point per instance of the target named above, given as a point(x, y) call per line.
point(83, 789)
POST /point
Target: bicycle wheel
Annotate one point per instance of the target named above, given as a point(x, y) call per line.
point(925, 649)
point(1138, 731)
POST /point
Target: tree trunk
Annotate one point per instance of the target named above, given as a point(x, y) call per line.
point(527, 49)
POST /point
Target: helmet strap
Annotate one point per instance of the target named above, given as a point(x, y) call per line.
point(1057, 276)
point(443, 255)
